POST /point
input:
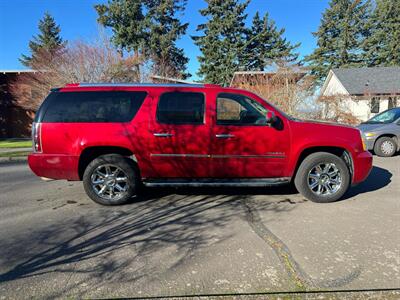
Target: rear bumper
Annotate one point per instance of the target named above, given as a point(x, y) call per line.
point(54, 166)
point(362, 163)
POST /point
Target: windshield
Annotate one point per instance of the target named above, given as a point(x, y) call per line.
point(386, 117)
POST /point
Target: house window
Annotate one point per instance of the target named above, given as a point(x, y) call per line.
point(374, 105)
point(392, 102)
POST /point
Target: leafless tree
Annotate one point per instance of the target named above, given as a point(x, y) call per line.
point(335, 108)
point(290, 87)
point(78, 62)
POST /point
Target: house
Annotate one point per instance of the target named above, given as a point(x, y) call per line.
point(15, 122)
point(364, 91)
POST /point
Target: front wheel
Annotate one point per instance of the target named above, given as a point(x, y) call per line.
point(385, 146)
point(322, 177)
point(110, 179)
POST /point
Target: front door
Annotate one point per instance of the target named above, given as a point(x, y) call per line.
point(242, 144)
point(179, 135)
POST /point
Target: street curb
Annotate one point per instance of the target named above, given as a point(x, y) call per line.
point(4, 160)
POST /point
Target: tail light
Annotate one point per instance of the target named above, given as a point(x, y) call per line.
point(36, 137)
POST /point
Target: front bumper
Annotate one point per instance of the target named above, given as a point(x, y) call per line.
point(370, 141)
point(54, 166)
point(362, 164)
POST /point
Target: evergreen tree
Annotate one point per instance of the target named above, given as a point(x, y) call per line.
point(265, 43)
point(165, 29)
point(339, 37)
point(382, 46)
point(223, 40)
point(48, 41)
point(128, 23)
point(149, 28)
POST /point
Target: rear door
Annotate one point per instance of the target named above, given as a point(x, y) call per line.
point(243, 145)
point(179, 135)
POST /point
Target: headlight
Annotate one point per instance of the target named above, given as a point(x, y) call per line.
point(370, 134)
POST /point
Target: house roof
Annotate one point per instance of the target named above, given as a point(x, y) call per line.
point(376, 80)
point(169, 79)
point(249, 74)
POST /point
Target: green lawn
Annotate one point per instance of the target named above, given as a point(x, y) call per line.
point(15, 144)
point(14, 154)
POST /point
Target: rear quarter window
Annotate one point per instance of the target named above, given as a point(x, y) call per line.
point(91, 107)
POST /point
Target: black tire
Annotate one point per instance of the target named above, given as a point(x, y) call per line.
point(114, 162)
point(303, 183)
point(385, 146)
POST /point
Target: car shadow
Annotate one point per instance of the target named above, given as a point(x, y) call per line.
point(152, 193)
point(377, 179)
point(160, 219)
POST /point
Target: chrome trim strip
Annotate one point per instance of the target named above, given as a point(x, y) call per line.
point(180, 155)
point(217, 156)
point(248, 156)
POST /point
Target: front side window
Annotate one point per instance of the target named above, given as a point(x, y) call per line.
point(235, 109)
point(181, 108)
point(92, 107)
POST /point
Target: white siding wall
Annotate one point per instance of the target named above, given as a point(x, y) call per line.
point(362, 108)
point(334, 87)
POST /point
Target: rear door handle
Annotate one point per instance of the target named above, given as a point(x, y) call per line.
point(163, 134)
point(224, 136)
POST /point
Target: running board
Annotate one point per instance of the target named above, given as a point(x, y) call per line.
point(228, 182)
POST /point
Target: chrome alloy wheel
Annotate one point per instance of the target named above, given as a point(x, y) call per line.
point(387, 147)
point(109, 182)
point(324, 179)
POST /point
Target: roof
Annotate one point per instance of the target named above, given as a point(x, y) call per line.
point(376, 80)
point(262, 73)
point(16, 71)
point(246, 74)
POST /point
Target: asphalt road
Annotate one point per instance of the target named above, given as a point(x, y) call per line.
point(55, 242)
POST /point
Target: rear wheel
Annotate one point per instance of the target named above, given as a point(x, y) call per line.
point(110, 179)
point(322, 177)
point(385, 146)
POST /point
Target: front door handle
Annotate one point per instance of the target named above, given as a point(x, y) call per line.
point(163, 134)
point(224, 136)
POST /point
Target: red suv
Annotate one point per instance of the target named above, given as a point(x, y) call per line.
point(116, 137)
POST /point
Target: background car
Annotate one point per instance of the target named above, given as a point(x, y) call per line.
point(382, 132)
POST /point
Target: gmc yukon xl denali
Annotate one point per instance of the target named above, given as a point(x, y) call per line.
point(117, 137)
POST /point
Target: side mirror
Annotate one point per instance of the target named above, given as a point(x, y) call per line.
point(270, 117)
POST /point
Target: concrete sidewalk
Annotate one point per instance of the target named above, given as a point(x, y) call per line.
point(7, 159)
point(5, 150)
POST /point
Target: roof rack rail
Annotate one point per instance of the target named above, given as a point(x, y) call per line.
point(107, 84)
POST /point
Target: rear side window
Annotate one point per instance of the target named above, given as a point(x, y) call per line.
point(181, 108)
point(91, 107)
